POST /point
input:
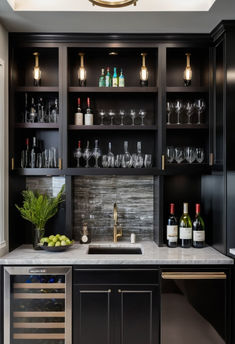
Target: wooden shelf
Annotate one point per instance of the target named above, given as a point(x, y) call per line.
point(113, 171)
point(38, 336)
point(137, 89)
point(187, 126)
point(112, 127)
point(38, 325)
point(37, 125)
point(37, 171)
point(33, 89)
point(39, 285)
point(190, 89)
point(39, 296)
point(38, 314)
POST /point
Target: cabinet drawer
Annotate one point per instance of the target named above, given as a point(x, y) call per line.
point(115, 276)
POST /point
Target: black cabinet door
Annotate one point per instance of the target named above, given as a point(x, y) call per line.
point(138, 314)
point(92, 314)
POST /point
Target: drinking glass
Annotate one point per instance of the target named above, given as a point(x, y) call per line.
point(111, 115)
point(190, 154)
point(133, 116)
point(200, 107)
point(45, 158)
point(138, 159)
point(148, 160)
point(170, 154)
point(102, 115)
point(178, 107)
point(52, 159)
point(105, 162)
point(39, 160)
point(122, 115)
point(126, 158)
point(142, 114)
point(77, 155)
point(96, 153)
point(189, 111)
point(118, 160)
point(87, 154)
point(200, 155)
point(179, 154)
point(169, 110)
point(110, 156)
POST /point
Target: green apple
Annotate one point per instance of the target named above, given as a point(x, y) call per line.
point(51, 244)
point(57, 243)
point(51, 237)
point(62, 237)
point(68, 242)
point(42, 240)
point(58, 236)
point(63, 243)
point(55, 239)
point(46, 240)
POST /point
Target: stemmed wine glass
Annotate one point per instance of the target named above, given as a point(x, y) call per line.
point(142, 114)
point(200, 107)
point(96, 153)
point(102, 115)
point(169, 109)
point(122, 114)
point(178, 107)
point(78, 153)
point(87, 154)
point(111, 115)
point(133, 116)
point(189, 111)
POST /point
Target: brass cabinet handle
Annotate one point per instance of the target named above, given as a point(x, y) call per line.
point(109, 291)
point(163, 162)
point(211, 159)
point(60, 164)
point(12, 164)
point(193, 275)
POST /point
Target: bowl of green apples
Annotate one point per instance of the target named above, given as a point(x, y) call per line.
point(56, 243)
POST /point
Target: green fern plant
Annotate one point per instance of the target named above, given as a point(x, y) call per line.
point(39, 208)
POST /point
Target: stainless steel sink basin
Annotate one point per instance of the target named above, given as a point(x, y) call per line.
point(114, 250)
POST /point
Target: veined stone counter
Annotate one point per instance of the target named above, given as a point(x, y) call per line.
point(151, 254)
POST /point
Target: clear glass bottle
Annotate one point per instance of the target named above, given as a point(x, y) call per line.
point(110, 156)
point(88, 115)
point(185, 228)
point(138, 159)
point(33, 112)
point(121, 80)
point(108, 78)
point(115, 78)
point(126, 158)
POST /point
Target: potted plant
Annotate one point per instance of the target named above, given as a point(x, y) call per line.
point(38, 209)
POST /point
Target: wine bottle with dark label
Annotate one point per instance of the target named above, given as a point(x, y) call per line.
point(172, 228)
point(198, 229)
point(185, 228)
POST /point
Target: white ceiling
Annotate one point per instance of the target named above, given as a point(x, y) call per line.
point(116, 22)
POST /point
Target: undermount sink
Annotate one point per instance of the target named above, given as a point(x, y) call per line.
point(114, 250)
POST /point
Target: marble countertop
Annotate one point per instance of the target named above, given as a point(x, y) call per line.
point(151, 254)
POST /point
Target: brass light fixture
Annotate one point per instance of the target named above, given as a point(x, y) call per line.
point(113, 3)
point(82, 71)
point(36, 70)
point(188, 71)
point(144, 71)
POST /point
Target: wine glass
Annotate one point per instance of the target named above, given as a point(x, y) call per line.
point(77, 155)
point(169, 109)
point(179, 155)
point(96, 153)
point(102, 115)
point(126, 158)
point(138, 159)
point(133, 116)
point(170, 153)
point(87, 154)
point(118, 160)
point(110, 156)
point(148, 160)
point(190, 154)
point(200, 107)
point(189, 111)
point(200, 155)
point(111, 115)
point(142, 114)
point(122, 115)
point(178, 107)
point(105, 163)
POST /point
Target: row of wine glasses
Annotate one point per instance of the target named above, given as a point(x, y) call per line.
point(123, 115)
point(188, 154)
point(125, 160)
point(188, 108)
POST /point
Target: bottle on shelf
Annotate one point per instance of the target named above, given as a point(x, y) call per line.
point(115, 78)
point(33, 112)
point(102, 79)
point(41, 112)
point(34, 155)
point(108, 78)
point(185, 228)
point(172, 228)
point(198, 229)
point(88, 115)
point(78, 117)
point(25, 155)
point(121, 81)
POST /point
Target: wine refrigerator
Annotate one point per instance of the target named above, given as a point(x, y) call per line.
point(37, 305)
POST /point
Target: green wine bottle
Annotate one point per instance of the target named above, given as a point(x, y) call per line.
point(121, 80)
point(108, 78)
point(115, 78)
point(102, 79)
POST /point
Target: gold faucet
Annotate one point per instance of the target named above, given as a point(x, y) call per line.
point(116, 235)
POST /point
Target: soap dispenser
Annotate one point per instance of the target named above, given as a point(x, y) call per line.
point(85, 235)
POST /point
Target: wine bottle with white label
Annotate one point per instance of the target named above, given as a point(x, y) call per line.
point(185, 228)
point(198, 229)
point(172, 228)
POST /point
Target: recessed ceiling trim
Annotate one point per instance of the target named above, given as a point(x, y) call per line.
point(87, 6)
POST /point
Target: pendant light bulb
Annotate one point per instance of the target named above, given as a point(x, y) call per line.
point(36, 70)
point(82, 71)
point(188, 71)
point(144, 71)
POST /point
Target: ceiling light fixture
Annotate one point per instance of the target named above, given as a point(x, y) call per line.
point(113, 3)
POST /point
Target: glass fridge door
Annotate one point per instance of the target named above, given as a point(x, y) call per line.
point(37, 307)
